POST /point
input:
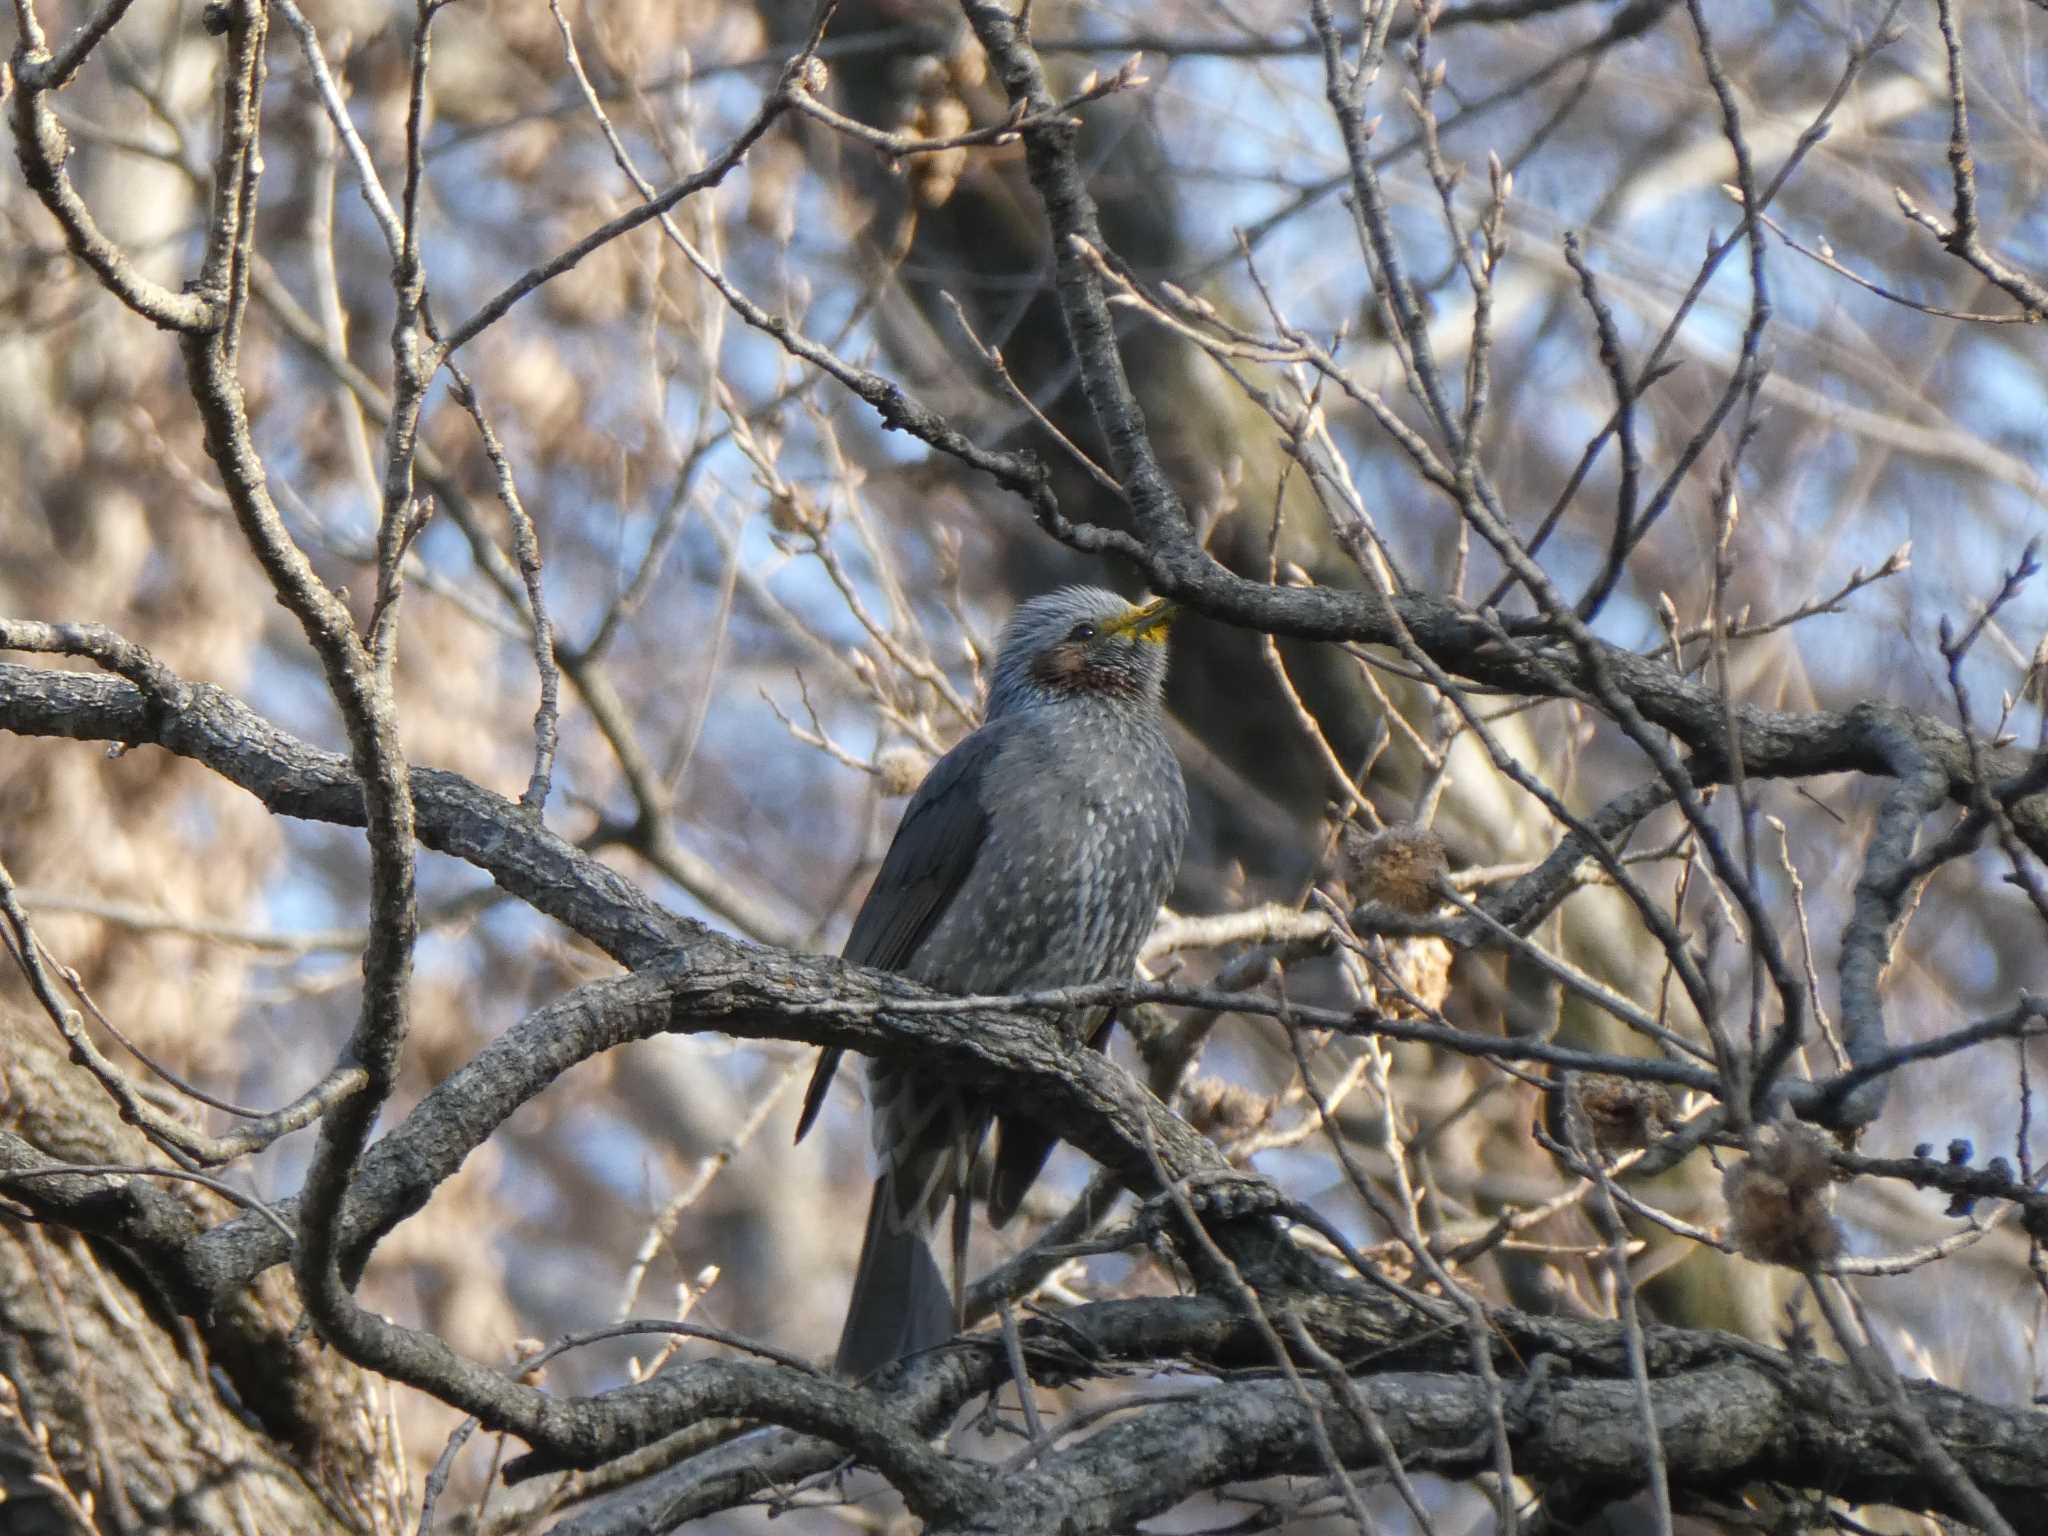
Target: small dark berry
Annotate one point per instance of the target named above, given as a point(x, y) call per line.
point(1960, 1151)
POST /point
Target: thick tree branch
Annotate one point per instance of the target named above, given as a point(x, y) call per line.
point(1727, 1411)
point(293, 779)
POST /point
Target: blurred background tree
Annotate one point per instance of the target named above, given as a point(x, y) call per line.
point(765, 614)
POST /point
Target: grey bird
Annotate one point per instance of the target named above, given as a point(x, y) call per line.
point(1034, 855)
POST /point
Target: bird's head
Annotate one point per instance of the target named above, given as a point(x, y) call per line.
point(1082, 642)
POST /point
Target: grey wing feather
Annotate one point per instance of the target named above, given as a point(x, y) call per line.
point(934, 849)
point(935, 846)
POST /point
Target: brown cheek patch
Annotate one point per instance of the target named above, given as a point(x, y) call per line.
point(1060, 666)
point(1071, 669)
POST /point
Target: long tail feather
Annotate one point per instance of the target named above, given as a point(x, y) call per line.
point(901, 1303)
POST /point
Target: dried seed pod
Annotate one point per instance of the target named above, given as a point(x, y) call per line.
point(1402, 866)
point(1622, 1113)
point(1780, 1200)
point(901, 769)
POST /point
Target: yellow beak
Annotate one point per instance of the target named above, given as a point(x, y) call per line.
point(1152, 621)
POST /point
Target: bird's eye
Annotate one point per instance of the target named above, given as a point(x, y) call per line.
point(1082, 632)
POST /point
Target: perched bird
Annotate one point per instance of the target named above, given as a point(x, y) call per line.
point(1035, 854)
